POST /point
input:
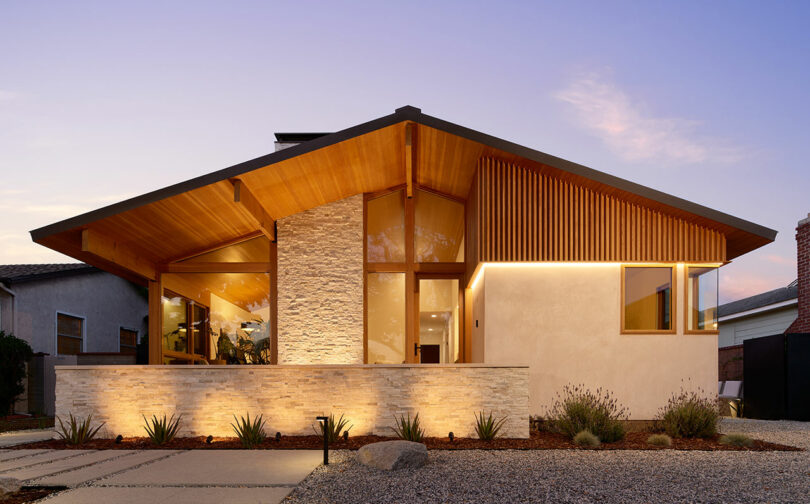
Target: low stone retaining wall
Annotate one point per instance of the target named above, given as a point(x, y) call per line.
point(447, 397)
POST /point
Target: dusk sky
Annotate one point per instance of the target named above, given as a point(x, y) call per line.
point(101, 101)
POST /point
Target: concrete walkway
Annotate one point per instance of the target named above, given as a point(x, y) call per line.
point(26, 436)
point(171, 476)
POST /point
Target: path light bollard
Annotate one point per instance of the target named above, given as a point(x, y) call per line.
point(325, 430)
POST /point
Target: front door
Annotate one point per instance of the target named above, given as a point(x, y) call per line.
point(438, 321)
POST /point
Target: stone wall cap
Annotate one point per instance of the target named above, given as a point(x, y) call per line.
point(291, 366)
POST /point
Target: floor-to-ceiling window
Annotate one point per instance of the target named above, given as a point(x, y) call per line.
point(414, 256)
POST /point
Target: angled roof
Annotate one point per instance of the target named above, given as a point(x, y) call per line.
point(759, 300)
point(161, 225)
point(16, 273)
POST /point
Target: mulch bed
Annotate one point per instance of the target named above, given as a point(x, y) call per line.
point(30, 494)
point(24, 422)
point(537, 441)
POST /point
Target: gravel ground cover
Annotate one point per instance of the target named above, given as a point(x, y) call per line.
point(579, 475)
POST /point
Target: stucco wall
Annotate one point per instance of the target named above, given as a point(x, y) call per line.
point(320, 285)
point(105, 301)
point(566, 328)
point(447, 397)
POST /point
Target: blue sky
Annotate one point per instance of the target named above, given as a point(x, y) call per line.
point(100, 101)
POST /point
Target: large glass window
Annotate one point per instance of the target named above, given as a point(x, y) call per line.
point(438, 228)
point(386, 318)
point(69, 334)
point(701, 298)
point(385, 229)
point(647, 299)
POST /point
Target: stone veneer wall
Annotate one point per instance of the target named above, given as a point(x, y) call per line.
point(290, 397)
point(320, 284)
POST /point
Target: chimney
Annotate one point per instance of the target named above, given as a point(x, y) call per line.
point(802, 322)
point(285, 140)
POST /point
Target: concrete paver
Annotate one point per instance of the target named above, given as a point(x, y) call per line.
point(172, 495)
point(67, 464)
point(15, 454)
point(96, 471)
point(224, 467)
point(22, 437)
point(42, 458)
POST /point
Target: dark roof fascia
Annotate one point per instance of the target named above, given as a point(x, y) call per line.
point(36, 277)
point(408, 113)
point(297, 137)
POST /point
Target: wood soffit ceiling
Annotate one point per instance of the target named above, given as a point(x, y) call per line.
point(192, 215)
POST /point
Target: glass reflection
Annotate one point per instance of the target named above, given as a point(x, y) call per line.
point(648, 298)
point(701, 298)
point(386, 318)
point(385, 228)
point(439, 228)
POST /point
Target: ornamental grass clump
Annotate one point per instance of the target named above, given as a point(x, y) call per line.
point(659, 440)
point(77, 431)
point(162, 430)
point(408, 429)
point(689, 415)
point(488, 428)
point(579, 409)
point(334, 428)
point(586, 439)
point(250, 433)
point(740, 440)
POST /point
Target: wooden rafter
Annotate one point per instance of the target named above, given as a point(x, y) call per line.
point(217, 267)
point(104, 247)
point(216, 246)
point(410, 148)
point(253, 209)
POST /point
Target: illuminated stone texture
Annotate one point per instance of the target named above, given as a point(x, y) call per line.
point(320, 285)
point(447, 397)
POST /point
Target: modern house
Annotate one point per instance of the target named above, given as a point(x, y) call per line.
point(405, 264)
point(68, 312)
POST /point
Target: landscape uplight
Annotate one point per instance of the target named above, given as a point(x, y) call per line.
point(325, 421)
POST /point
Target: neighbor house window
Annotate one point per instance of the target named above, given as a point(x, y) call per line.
point(127, 341)
point(647, 297)
point(701, 298)
point(69, 334)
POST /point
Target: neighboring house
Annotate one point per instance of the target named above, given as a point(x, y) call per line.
point(66, 309)
point(763, 314)
point(405, 241)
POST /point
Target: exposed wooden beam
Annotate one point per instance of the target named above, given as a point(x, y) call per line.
point(109, 250)
point(156, 321)
point(253, 209)
point(409, 153)
point(216, 246)
point(217, 267)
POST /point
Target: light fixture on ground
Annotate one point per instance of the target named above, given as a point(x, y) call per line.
point(209, 439)
point(278, 436)
point(325, 421)
point(451, 436)
point(118, 439)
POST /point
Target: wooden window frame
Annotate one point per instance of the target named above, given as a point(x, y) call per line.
point(673, 301)
point(412, 269)
point(189, 355)
point(56, 331)
point(137, 334)
point(686, 308)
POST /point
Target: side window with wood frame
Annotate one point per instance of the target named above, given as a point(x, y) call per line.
point(648, 301)
point(69, 334)
point(701, 298)
point(127, 341)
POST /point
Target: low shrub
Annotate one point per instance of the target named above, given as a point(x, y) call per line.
point(250, 433)
point(659, 440)
point(489, 427)
point(689, 415)
point(14, 353)
point(162, 431)
point(333, 429)
point(408, 429)
point(579, 409)
point(740, 440)
point(77, 432)
point(586, 439)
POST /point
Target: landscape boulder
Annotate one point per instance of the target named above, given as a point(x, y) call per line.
point(390, 455)
point(8, 486)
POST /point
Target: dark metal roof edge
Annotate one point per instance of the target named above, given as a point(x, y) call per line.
point(86, 269)
point(406, 113)
point(598, 176)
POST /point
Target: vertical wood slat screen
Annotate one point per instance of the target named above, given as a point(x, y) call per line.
point(519, 214)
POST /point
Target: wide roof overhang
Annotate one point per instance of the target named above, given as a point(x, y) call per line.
point(134, 237)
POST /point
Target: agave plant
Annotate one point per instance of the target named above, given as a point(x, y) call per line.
point(250, 433)
point(333, 429)
point(488, 428)
point(77, 431)
point(408, 429)
point(161, 431)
